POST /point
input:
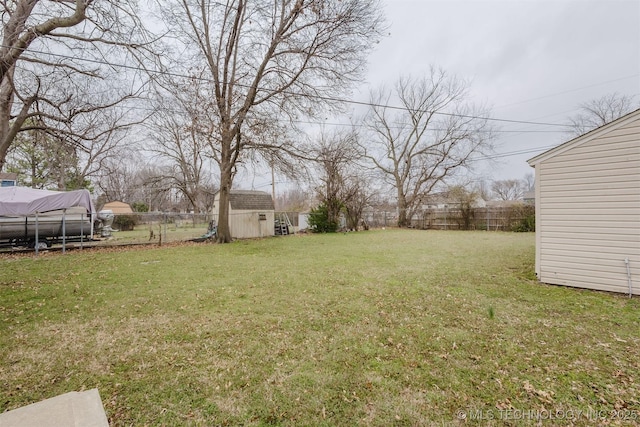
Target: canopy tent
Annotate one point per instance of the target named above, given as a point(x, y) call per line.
point(24, 201)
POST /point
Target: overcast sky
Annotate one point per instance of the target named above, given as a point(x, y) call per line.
point(529, 60)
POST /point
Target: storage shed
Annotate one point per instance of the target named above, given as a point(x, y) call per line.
point(588, 209)
point(251, 214)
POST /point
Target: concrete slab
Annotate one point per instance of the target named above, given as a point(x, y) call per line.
point(74, 409)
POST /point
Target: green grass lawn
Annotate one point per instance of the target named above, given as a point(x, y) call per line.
point(387, 327)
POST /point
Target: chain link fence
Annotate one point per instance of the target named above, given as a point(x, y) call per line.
point(157, 227)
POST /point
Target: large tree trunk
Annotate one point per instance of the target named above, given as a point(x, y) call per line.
point(3, 152)
point(224, 232)
point(6, 101)
point(403, 220)
point(226, 182)
point(333, 210)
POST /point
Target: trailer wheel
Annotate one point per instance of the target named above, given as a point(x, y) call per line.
point(41, 244)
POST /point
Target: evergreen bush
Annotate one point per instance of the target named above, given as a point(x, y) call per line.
point(319, 220)
point(125, 222)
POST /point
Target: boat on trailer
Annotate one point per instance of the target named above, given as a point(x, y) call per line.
point(39, 218)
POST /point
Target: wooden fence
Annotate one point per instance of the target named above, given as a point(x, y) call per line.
point(508, 218)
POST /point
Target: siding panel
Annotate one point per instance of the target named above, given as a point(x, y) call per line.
point(588, 212)
point(592, 171)
point(617, 210)
point(615, 181)
point(613, 151)
point(628, 243)
point(603, 220)
point(575, 192)
point(589, 269)
point(570, 252)
point(603, 160)
point(615, 230)
point(612, 144)
point(609, 283)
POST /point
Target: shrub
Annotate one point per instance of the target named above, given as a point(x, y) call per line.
point(125, 222)
point(528, 219)
point(319, 220)
point(140, 207)
point(526, 224)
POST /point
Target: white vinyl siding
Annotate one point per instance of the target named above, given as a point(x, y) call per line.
point(588, 210)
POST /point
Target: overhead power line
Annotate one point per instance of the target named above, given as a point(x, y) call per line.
point(351, 125)
point(361, 125)
point(568, 91)
point(513, 153)
point(325, 98)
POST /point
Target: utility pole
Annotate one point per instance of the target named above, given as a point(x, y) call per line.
point(273, 185)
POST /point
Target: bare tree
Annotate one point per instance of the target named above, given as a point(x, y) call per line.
point(599, 112)
point(178, 140)
point(464, 199)
point(126, 181)
point(482, 189)
point(72, 156)
point(356, 196)
point(98, 135)
point(333, 153)
point(508, 189)
point(427, 139)
point(264, 56)
point(296, 199)
point(207, 196)
point(345, 185)
point(119, 178)
point(44, 51)
point(155, 188)
point(529, 182)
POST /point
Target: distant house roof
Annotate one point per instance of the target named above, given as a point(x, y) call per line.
point(118, 208)
point(7, 175)
point(529, 196)
point(8, 179)
point(444, 199)
point(503, 203)
point(250, 200)
point(436, 199)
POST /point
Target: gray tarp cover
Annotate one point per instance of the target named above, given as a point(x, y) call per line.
point(23, 201)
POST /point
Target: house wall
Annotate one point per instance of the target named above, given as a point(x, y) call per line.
point(588, 212)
